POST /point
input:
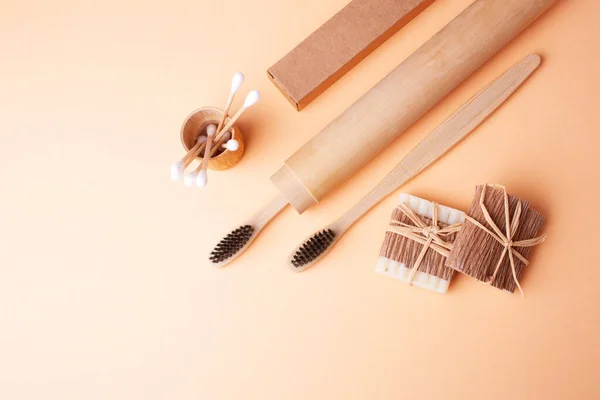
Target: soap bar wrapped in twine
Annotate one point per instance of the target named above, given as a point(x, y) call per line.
point(483, 251)
point(433, 238)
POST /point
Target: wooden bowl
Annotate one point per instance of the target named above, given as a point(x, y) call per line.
point(196, 123)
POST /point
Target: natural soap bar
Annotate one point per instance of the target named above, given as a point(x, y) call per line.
point(338, 45)
point(399, 253)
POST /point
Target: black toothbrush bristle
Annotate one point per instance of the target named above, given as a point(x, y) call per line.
point(231, 244)
point(313, 248)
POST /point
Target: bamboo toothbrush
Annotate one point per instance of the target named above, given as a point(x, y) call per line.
point(436, 144)
point(250, 100)
point(238, 240)
point(236, 82)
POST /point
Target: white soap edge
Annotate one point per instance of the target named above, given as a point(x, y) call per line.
point(424, 208)
point(398, 271)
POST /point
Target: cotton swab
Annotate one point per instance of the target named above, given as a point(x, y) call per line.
point(226, 137)
point(201, 179)
point(231, 145)
point(236, 82)
point(190, 178)
point(178, 167)
point(251, 99)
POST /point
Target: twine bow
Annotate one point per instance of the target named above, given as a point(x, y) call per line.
point(430, 236)
point(506, 240)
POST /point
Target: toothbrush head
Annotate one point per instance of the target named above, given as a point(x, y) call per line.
point(231, 244)
point(312, 249)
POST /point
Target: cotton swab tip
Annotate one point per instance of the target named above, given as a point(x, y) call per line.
point(176, 170)
point(211, 130)
point(190, 178)
point(201, 139)
point(232, 145)
point(236, 81)
point(202, 179)
point(252, 98)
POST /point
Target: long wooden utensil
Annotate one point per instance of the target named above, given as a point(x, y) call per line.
point(436, 144)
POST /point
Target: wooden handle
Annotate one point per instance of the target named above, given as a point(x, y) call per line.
point(444, 137)
point(402, 97)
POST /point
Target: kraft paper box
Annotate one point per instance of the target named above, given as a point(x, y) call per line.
point(338, 45)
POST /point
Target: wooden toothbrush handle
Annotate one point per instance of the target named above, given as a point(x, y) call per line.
point(445, 136)
point(264, 216)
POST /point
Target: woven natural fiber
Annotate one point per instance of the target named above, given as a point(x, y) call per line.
point(420, 243)
point(496, 238)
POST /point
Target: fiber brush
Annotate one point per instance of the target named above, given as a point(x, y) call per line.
point(436, 144)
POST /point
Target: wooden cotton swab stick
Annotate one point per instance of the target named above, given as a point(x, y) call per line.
point(178, 167)
point(202, 178)
point(190, 178)
point(251, 99)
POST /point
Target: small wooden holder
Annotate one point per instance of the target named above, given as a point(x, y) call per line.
point(196, 123)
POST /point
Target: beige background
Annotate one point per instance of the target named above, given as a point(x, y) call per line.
point(105, 290)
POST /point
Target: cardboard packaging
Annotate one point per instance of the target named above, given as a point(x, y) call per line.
point(338, 45)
